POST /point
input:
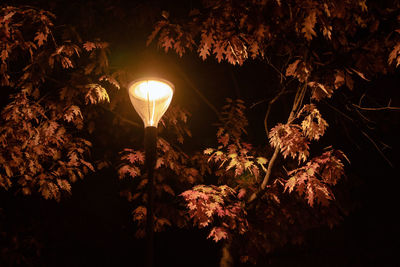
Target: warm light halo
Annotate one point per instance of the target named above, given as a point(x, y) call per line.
point(151, 98)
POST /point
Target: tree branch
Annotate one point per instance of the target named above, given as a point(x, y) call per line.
point(298, 100)
point(272, 101)
point(376, 109)
point(137, 125)
point(197, 91)
point(377, 148)
point(365, 134)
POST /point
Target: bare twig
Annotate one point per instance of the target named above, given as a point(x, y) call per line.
point(258, 103)
point(366, 135)
point(283, 77)
point(197, 91)
point(376, 109)
point(122, 118)
point(298, 100)
point(338, 111)
point(377, 148)
point(270, 103)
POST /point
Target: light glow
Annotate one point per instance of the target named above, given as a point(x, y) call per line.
point(151, 98)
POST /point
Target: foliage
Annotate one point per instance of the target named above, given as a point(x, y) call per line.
point(322, 46)
point(252, 199)
point(328, 44)
point(53, 77)
point(175, 170)
point(263, 225)
point(208, 204)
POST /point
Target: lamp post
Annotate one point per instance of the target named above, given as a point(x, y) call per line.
point(151, 98)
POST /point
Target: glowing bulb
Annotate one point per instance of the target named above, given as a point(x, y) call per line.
point(150, 98)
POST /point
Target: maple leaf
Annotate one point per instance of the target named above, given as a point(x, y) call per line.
point(339, 79)
point(254, 50)
point(290, 184)
point(208, 151)
point(291, 69)
point(320, 91)
point(218, 233)
point(395, 55)
point(66, 63)
point(204, 51)
point(64, 185)
point(72, 112)
point(4, 55)
point(111, 80)
point(156, 30)
point(126, 169)
point(95, 94)
point(313, 125)
point(310, 195)
point(40, 38)
point(290, 140)
point(308, 25)
point(224, 139)
point(89, 46)
point(327, 32)
point(242, 193)
point(139, 214)
point(167, 43)
point(219, 51)
point(135, 157)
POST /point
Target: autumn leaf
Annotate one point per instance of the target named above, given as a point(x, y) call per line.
point(262, 161)
point(89, 46)
point(95, 94)
point(218, 233)
point(291, 69)
point(359, 74)
point(313, 125)
point(156, 30)
point(208, 151)
point(204, 51)
point(308, 25)
point(40, 38)
point(167, 43)
point(242, 193)
point(394, 56)
point(4, 55)
point(72, 112)
point(320, 91)
point(219, 51)
point(290, 184)
point(339, 79)
point(111, 80)
point(290, 140)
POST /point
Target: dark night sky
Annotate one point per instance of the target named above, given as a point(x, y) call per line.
point(93, 226)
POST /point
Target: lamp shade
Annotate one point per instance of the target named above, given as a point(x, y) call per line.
point(151, 98)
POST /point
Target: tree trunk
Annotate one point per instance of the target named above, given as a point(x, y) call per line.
point(226, 258)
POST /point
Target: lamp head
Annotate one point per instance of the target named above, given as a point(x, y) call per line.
point(151, 98)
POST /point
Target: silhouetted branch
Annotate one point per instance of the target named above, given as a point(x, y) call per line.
point(122, 118)
point(197, 91)
point(376, 109)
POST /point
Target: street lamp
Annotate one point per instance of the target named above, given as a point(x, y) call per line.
point(151, 98)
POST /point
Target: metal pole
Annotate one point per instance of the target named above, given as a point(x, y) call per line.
point(150, 146)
